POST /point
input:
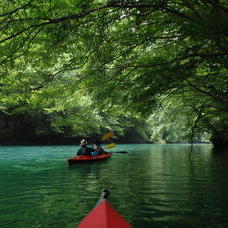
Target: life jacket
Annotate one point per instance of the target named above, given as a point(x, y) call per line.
point(84, 151)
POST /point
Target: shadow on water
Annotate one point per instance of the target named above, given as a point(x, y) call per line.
point(220, 150)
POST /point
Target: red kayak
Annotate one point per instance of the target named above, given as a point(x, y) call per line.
point(88, 158)
point(104, 216)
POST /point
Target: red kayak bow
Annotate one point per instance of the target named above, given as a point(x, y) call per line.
point(104, 216)
point(88, 158)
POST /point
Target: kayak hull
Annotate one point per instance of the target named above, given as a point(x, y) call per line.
point(104, 216)
point(88, 158)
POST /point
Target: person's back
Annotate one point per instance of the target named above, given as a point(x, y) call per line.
point(84, 150)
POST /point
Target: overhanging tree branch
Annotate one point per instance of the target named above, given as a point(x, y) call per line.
point(17, 9)
point(87, 12)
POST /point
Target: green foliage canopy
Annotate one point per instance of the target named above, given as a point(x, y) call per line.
point(123, 55)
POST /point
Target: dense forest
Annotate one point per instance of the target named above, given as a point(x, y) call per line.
point(152, 71)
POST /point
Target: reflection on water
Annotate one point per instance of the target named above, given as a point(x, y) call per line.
point(151, 185)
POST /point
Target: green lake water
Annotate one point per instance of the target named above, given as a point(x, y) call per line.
point(151, 185)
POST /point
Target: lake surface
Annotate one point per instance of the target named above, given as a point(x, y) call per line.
point(151, 185)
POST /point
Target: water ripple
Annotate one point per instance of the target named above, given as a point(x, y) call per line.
point(152, 186)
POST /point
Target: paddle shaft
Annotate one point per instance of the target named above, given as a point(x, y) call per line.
point(120, 152)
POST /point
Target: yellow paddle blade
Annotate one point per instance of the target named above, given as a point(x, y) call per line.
point(111, 145)
point(107, 136)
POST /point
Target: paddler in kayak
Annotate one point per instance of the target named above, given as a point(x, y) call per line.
point(97, 149)
point(84, 150)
